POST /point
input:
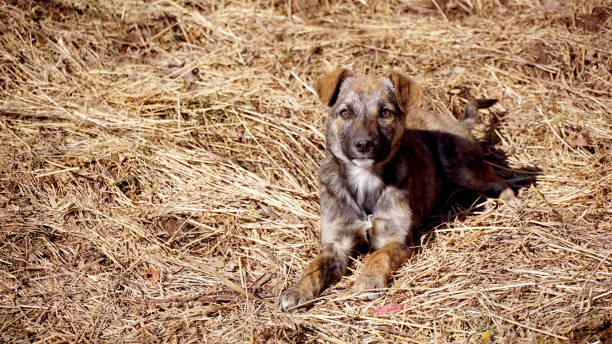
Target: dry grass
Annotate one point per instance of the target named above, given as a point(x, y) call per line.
point(182, 139)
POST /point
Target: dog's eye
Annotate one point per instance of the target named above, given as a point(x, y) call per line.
point(344, 113)
point(385, 113)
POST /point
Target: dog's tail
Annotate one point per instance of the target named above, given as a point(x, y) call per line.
point(470, 115)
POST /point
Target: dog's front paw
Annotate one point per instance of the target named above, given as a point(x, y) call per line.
point(365, 283)
point(292, 297)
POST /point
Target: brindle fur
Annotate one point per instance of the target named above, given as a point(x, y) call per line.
point(382, 176)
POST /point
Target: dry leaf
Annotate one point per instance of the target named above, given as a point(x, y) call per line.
point(594, 21)
point(261, 281)
point(486, 337)
point(577, 141)
point(152, 276)
point(183, 70)
point(390, 308)
point(230, 266)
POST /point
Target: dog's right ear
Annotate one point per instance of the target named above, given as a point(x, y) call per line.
point(328, 86)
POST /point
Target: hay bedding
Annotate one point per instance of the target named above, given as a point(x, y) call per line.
point(159, 160)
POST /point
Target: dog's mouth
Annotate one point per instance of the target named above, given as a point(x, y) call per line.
point(363, 163)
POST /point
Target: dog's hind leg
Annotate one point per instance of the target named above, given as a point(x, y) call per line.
point(462, 159)
point(480, 176)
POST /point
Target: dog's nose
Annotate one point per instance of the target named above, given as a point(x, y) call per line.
point(363, 146)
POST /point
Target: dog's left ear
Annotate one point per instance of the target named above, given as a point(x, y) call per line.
point(407, 92)
point(328, 86)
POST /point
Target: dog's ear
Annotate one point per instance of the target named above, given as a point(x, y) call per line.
point(328, 86)
point(407, 92)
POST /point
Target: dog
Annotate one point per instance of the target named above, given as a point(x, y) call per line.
point(386, 165)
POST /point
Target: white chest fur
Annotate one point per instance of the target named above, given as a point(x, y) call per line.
point(363, 181)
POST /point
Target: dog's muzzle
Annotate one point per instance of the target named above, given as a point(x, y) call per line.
point(363, 163)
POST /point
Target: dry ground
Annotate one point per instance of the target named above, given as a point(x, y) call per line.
point(158, 169)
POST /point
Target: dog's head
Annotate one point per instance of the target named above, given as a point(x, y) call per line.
point(367, 114)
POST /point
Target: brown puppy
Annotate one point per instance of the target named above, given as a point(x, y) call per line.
point(385, 167)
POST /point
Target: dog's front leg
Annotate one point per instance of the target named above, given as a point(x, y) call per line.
point(327, 268)
point(342, 232)
point(390, 237)
point(378, 268)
